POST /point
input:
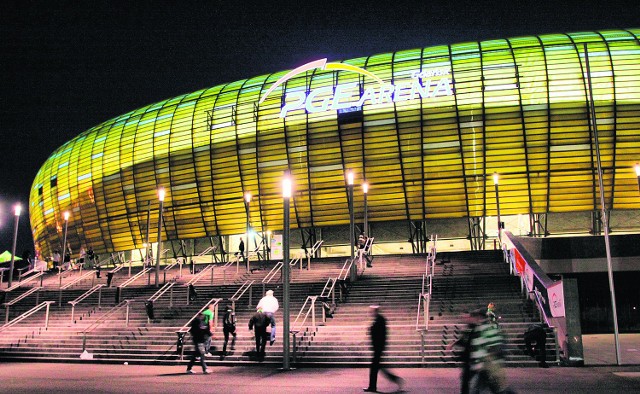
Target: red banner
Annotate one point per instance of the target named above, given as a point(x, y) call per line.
point(520, 263)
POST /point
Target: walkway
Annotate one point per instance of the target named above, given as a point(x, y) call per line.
point(105, 378)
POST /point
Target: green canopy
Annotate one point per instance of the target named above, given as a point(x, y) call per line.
point(6, 256)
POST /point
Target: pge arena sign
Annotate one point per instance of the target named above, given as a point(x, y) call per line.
point(423, 84)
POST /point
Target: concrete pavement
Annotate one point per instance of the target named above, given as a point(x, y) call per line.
point(110, 378)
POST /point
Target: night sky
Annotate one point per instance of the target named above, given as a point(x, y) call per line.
point(68, 65)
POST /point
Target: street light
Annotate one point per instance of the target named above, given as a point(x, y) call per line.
point(352, 239)
point(495, 182)
point(64, 238)
point(286, 197)
point(161, 198)
point(365, 190)
point(16, 210)
point(638, 174)
point(247, 200)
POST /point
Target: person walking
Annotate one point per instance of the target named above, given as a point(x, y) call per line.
point(491, 313)
point(536, 333)
point(269, 305)
point(259, 323)
point(241, 249)
point(209, 317)
point(378, 334)
point(228, 327)
point(198, 332)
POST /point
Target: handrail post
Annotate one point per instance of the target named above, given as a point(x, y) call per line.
point(555, 335)
point(171, 297)
point(211, 274)
point(38, 296)
point(294, 347)
point(46, 321)
point(426, 308)
point(73, 310)
point(313, 310)
point(250, 295)
point(60, 295)
point(127, 318)
point(99, 297)
point(130, 266)
point(6, 320)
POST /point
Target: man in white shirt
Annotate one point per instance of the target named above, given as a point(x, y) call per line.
point(269, 305)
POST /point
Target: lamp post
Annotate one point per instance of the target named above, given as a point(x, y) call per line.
point(64, 238)
point(495, 183)
point(247, 200)
point(286, 197)
point(365, 190)
point(637, 167)
point(161, 198)
point(352, 239)
point(16, 210)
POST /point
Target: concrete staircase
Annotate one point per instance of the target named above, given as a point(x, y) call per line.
point(464, 281)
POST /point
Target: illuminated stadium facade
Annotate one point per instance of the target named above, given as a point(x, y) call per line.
point(426, 128)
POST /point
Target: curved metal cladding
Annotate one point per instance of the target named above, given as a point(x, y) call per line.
point(426, 128)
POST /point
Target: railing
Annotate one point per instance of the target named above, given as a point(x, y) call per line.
point(185, 329)
point(311, 309)
point(20, 298)
point(103, 318)
point(296, 260)
point(543, 314)
point(179, 261)
point(240, 292)
point(347, 272)
point(211, 249)
point(156, 296)
point(274, 271)
point(134, 277)
point(39, 274)
point(312, 252)
point(329, 289)
point(201, 274)
point(28, 314)
point(84, 296)
point(79, 279)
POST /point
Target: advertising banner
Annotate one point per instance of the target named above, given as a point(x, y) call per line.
point(276, 247)
point(519, 261)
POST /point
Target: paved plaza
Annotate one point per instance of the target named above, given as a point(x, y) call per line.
point(110, 378)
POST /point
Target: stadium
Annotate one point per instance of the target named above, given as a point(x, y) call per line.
point(427, 129)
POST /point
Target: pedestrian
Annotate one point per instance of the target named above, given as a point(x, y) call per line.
point(228, 327)
point(82, 256)
point(198, 331)
point(378, 334)
point(57, 259)
point(491, 313)
point(241, 248)
point(536, 333)
point(269, 305)
point(486, 356)
point(259, 323)
point(209, 317)
point(461, 348)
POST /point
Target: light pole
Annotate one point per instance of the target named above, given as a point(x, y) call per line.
point(16, 210)
point(286, 197)
point(64, 238)
point(365, 190)
point(495, 183)
point(247, 200)
point(637, 167)
point(161, 198)
point(352, 239)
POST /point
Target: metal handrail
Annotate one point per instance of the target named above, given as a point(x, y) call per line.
point(178, 261)
point(346, 269)
point(167, 286)
point(546, 321)
point(200, 274)
point(82, 277)
point(29, 279)
point(134, 277)
point(84, 296)
point(311, 310)
point(185, 329)
point(104, 317)
point(424, 303)
point(313, 251)
point(20, 298)
point(329, 290)
point(276, 268)
point(28, 314)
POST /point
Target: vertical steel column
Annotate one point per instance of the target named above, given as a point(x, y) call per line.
point(161, 198)
point(495, 183)
point(17, 210)
point(286, 196)
point(605, 219)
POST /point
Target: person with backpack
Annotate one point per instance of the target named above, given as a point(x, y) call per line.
point(198, 331)
point(228, 327)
